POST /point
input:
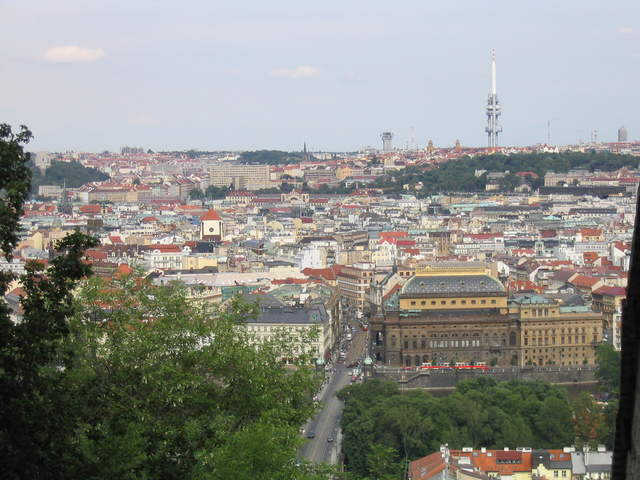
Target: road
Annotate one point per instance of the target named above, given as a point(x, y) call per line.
point(326, 423)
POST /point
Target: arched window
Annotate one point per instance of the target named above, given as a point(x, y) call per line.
point(425, 358)
point(512, 338)
point(417, 359)
point(407, 360)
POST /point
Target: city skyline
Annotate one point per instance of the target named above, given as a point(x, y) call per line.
point(228, 77)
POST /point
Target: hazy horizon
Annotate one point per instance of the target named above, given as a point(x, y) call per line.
point(257, 75)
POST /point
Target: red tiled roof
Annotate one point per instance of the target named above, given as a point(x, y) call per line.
point(326, 273)
point(211, 215)
point(426, 467)
point(90, 209)
point(584, 281)
point(611, 291)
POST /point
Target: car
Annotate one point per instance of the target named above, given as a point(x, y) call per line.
point(311, 434)
point(330, 440)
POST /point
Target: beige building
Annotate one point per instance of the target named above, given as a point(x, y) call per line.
point(554, 335)
point(241, 177)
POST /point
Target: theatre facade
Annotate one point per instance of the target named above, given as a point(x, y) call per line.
point(460, 313)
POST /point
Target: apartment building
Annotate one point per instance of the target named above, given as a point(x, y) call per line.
point(241, 177)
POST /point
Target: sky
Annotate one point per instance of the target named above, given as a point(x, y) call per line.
point(90, 75)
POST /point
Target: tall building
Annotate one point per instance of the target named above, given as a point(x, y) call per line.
point(493, 109)
point(623, 135)
point(240, 177)
point(387, 137)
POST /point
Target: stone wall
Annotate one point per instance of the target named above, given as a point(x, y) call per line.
point(447, 379)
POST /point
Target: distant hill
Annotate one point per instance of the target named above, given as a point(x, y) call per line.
point(73, 174)
point(459, 175)
point(270, 157)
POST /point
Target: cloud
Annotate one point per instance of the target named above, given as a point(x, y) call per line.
point(302, 71)
point(72, 54)
point(625, 30)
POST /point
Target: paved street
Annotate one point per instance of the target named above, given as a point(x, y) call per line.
point(326, 423)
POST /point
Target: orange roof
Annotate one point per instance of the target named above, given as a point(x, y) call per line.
point(584, 281)
point(326, 273)
point(491, 460)
point(211, 215)
point(426, 467)
point(590, 232)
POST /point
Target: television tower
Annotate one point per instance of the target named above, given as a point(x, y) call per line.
point(493, 108)
point(387, 137)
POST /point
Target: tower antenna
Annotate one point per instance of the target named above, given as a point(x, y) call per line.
point(493, 108)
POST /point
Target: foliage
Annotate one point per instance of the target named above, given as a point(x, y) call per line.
point(479, 412)
point(460, 175)
point(213, 193)
point(127, 380)
point(15, 176)
point(72, 174)
point(180, 390)
point(196, 194)
point(32, 361)
point(270, 157)
point(608, 372)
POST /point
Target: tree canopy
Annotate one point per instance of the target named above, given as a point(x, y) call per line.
point(271, 157)
point(396, 427)
point(103, 379)
point(72, 174)
point(463, 175)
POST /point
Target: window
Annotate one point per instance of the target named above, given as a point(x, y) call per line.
point(433, 302)
point(463, 302)
point(473, 302)
point(406, 344)
point(483, 302)
point(413, 303)
point(443, 302)
point(423, 302)
point(493, 302)
point(423, 344)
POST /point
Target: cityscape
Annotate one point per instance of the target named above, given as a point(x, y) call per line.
point(402, 309)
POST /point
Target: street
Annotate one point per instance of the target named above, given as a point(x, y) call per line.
point(325, 424)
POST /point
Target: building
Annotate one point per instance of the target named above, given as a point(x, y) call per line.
point(296, 322)
point(354, 283)
point(211, 226)
point(550, 334)
point(521, 463)
point(240, 177)
point(608, 301)
point(387, 138)
point(452, 312)
point(623, 135)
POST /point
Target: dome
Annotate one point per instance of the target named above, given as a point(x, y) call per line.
point(454, 285)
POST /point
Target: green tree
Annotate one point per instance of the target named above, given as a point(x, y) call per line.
point(196, 194)
point(588, 419)
point(181, 389)
point(213, 193)
point(35, 419)
point(286, 187)
point(608, 372)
